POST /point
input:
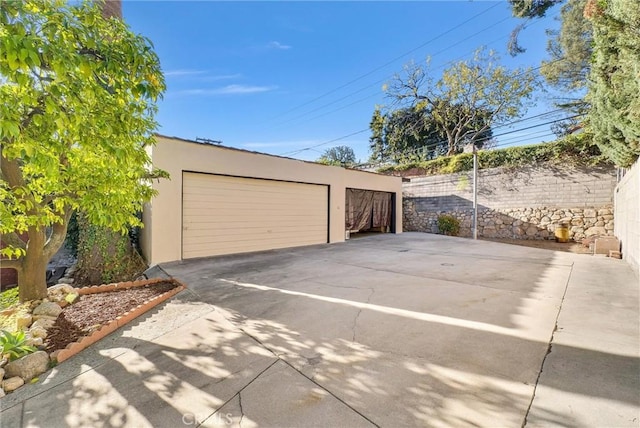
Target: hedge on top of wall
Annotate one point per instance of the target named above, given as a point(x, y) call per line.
point(574, 150)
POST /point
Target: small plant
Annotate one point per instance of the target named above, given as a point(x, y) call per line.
point(13, 345)
point(448, 225)
point(9, 298)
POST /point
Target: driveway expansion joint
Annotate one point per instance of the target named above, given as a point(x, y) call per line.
point(310, 378)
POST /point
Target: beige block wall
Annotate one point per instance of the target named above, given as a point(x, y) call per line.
point(627, 215)
point(161, 238)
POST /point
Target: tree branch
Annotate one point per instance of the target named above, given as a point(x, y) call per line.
point(58, 235)
point(14, 240)
point(11, 171)
point(11, 264)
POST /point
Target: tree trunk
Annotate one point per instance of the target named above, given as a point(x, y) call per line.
point(451, 146)
point(32, 276)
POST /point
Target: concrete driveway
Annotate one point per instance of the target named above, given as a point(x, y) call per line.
point(390, 330)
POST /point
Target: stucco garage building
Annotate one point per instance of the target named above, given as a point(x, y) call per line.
point(222, 200)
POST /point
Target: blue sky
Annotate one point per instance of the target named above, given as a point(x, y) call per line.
point(279, 77)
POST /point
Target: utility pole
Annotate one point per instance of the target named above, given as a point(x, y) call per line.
point(475, 192)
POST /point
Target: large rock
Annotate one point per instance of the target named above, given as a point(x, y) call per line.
point(43, 322)
point(61, 289)
point(28, 366)
point(12, 383)
point(595, 231)
point(24, 321)
point(38, 331)
point(48, 309)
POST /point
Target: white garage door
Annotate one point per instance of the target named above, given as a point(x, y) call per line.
point(227, 215)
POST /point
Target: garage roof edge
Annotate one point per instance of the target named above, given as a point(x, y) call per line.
point(219, 146)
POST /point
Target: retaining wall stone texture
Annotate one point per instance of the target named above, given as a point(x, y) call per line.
point(523, 203)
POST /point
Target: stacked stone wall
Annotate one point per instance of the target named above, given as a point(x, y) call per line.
point(527, 203)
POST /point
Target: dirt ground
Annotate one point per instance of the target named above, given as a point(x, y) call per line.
point(569, 247)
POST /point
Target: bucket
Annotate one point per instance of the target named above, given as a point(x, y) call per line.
point(562, 232)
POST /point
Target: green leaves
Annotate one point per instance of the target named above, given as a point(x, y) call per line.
point(14, 345)
point(574, 149)
point(76, 113)
point(468, 98)
point(614, 86)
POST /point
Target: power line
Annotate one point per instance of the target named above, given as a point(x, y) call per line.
point(441, 142)
point(294, 152)
point(325, 143)
point(383, 79)
point(370, 96)
point(387, 63)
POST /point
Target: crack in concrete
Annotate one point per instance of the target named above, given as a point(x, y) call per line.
point(355, 320)
point(238, 394)
point(544, 359)
point(241, 409)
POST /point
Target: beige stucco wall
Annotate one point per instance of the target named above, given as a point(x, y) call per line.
point(162, 234)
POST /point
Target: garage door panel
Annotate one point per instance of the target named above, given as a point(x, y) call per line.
point(294, 202)
point(255, 232)
point(226, 215)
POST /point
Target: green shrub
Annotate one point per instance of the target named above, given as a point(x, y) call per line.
point(448, 225)
point(13, 345)
point(572, 150)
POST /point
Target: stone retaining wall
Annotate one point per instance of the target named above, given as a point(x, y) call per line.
point(527, 203)
point(518, 223)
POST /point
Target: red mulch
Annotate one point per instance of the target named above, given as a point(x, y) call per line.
point(93, 310)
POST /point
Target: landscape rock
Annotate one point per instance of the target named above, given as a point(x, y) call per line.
point(2, 393)
point(11, 384)
point(24, 321)
point(34, 341)
point(60, 290)
point(50, 309)
point(28, 366)
point(44, 322)
point(38, 331)
point(1, 374)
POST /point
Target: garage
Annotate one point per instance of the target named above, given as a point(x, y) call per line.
point(369, 211)
point(227, 215)
point(224, 200)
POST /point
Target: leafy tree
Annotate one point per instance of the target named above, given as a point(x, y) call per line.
point(614, 87)
point(532, 8)
point(410, 134)
point(338, 156)
point(468, 99)
point(569, 49)
point(402, 135)
point(76, 117)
